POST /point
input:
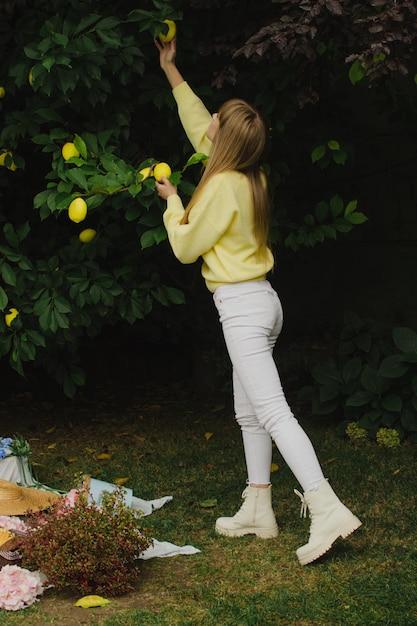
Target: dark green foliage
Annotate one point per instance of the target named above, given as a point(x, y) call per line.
point(87, 72)
point(372, 381)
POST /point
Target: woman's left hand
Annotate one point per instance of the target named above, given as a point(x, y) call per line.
point(165, 188)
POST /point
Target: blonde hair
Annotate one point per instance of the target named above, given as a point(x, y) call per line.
point(239, 144)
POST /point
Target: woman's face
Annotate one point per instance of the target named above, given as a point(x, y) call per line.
point(213, 128)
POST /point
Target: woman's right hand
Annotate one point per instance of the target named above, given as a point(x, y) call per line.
point(167, 53)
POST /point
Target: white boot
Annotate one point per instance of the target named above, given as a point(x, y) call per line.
point(255, 516)
point(330, 519)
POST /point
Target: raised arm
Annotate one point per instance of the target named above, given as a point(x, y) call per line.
point(167, 54)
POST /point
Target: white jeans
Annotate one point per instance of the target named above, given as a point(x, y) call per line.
point(251, 318)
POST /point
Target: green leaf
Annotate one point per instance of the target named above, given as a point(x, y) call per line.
point(175, 295)
point(356, 218)
point(351, 369)
point(208, 504)
point(392, 402)
point(333, 144)
point(8, 274)
point(197, 157)
point(62, 305)
point(339, 157)
point(393, 367)
point(79, 143)
point(108, 23)
point(409, 420)
point(326, 373)
point(364, 341)
point(3, 298)
point(351, 207)
point(360, 398)
point(356, 72)
point(370, 379)
point(318, 153)
point(133, 212)
point(10, 234)
point(405, 339)
point(329, 392)
point(78, 178)
point(336, 205)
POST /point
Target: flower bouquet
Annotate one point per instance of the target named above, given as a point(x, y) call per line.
point(19, 587)
point(14, 460)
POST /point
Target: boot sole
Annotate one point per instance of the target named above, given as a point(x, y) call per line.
point(343, 531)
point(263, 533)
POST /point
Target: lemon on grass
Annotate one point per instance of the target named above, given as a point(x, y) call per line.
point(160, 170)
point(9, 317)
point(87, 235)
point(87, 602)
point(172, 31)
point(77, 210)
point(69, 150)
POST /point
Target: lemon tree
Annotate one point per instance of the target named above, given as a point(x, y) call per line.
point(73, 80)
point(88, 115)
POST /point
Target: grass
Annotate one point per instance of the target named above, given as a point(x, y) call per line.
point(160, 440)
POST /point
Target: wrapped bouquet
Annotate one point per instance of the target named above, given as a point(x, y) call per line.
point(14, 460)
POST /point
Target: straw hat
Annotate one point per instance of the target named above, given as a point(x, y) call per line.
point(5, 538)
point(15, 500)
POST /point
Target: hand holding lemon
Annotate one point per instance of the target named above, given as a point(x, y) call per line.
point(162, 172)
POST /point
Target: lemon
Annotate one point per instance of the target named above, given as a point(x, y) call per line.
point(87, 235)
point(3, 155)
point(172, 31)
point(2, 92)
point(30, 76)
point(77, 210)
point(69, 150)
point(160, 170)
point(87, 602)
point(9, 317)
point(145, 172)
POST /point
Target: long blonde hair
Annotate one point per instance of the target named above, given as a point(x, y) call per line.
point(239, 144)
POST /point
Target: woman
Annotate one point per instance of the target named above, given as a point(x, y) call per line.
point(226, 223)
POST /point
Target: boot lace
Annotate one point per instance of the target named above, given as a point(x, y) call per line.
point(304, 504)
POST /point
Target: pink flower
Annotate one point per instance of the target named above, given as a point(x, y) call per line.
point(18, 587)
point(12, 523)
point(67, 502)
point(71, 497)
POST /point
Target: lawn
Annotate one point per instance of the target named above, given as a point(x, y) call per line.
point(167, 443)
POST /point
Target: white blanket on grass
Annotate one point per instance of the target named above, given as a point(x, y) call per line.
point(16, 470)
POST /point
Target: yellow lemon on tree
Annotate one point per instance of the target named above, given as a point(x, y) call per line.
point(9, 317)
point(145, 172)
point(87, 235)
point(3, 155)
point(69, 150)
point(2, 92)
point(30, 76)
point(77, 210)
point(160, 170)
point(172, 31)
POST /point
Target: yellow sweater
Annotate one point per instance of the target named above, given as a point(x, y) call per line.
point(220, 227)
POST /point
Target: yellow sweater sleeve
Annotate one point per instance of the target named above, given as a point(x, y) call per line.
point(208, 220)
point(194, 117)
